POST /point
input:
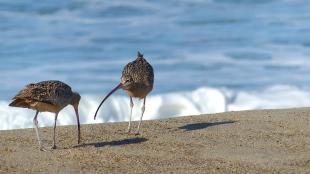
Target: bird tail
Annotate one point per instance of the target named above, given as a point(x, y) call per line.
point(19, 103)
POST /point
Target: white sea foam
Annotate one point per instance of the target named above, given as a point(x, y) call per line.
point(203, 100)
point(279, 96)
point(116, 108)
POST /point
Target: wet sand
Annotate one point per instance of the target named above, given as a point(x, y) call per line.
point(264, 141)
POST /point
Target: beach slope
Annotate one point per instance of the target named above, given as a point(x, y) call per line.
point(262, 141)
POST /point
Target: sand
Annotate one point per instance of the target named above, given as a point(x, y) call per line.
point(262, 141)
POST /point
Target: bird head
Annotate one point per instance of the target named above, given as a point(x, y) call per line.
point(75, 100)
point(126, 81)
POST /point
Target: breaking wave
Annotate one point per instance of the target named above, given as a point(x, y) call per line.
point(203, 100)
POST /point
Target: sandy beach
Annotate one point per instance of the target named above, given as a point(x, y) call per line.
point(262, 141)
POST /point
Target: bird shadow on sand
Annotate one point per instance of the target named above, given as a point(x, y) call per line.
point(114, 143)
point(197, 126)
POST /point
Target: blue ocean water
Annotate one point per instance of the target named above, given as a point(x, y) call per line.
point(248, 47)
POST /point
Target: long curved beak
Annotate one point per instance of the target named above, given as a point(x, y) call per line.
point(113, 90)
point(76, 109)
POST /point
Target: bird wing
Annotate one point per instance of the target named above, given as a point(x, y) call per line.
point(51, 92)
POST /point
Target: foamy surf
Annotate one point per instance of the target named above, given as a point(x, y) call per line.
point(116, 108)
point(200, 101)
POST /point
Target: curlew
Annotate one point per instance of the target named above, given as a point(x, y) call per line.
point(137, 81)
point(51, 96)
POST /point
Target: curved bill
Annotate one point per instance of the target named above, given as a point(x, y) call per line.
point(78, 123)
point(116, 88)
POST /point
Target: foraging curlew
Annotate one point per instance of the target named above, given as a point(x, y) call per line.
point(137, 81)
point(50, 96)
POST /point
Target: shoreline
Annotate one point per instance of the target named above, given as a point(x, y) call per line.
point(254, 141)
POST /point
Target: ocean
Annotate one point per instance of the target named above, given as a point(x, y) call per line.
point(209, 56)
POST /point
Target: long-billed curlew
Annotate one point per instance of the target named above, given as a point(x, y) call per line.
point(137, 81)
point(50, 96)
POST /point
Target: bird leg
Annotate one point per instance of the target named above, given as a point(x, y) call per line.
point(129, 124)
point(54, 139)
point(35, 125)
point(142, 109)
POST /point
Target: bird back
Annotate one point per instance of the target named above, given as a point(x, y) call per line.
point(140, 71)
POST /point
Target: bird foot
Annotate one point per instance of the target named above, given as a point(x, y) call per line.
point(128, 131)
point(54, 147)
point(43, 149)
point(133, 133)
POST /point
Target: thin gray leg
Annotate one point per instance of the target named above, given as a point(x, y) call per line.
point(129, 124)
point(54, 139)
point(35, 125)
point(142, 109)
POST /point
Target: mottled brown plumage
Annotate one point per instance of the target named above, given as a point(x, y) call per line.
point(50, 96)
point(138, 78)
point(137, 81)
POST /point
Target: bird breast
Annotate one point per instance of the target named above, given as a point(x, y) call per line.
point(138, 91)
point(44, 107)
